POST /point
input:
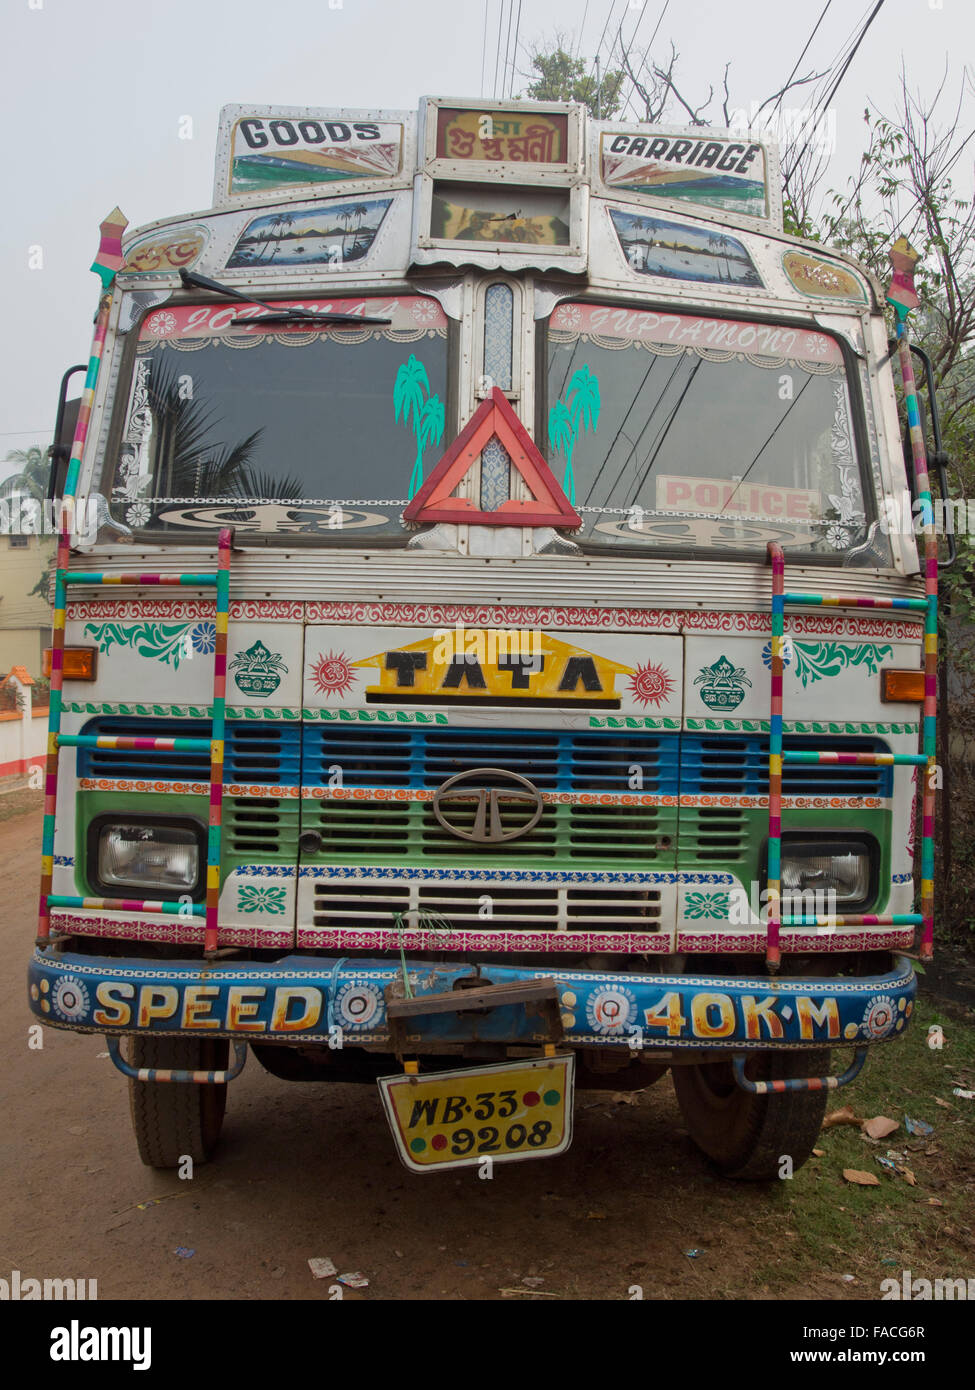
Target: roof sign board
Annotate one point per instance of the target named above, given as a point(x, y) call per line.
point(720, 174)
point(292, 149)
point(531, 137)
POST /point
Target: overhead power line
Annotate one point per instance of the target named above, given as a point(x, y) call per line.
point(646, 54)
point(507, 45)
point(487, 5)
point(599, 46)
point(836, 86)
point(514, 51)
point(497, 50)
point(805, 50)
point(582, 29)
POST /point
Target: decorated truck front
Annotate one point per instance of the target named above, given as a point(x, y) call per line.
point(492, 666)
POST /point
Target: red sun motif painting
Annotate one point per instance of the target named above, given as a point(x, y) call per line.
point(332, 674)
point(650, 685)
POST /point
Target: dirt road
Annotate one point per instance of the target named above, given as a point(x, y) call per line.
point(309, 1170)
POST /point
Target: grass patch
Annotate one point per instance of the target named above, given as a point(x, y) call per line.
point(875, 1232)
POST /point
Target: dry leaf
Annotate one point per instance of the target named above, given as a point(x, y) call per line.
point(879, 1127)
point(934, 1202)
point(819, 1153)
point(908, 1176)
point(845, 1116)
point(854, 1175)
point(945, 1105)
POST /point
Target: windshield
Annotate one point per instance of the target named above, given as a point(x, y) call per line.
point(282, 429)
point(678, 430)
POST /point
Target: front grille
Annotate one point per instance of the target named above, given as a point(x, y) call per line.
point(420, 757)
point(363, 830)
point(261, 828)
point(265, 753)
point(562, 907)
point(739, 767)
point(712, 836)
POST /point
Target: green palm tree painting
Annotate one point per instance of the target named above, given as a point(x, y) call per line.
point(412, 400)
point(579, 411)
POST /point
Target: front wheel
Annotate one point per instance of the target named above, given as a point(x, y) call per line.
point(175, 1119)
point(746, 1135)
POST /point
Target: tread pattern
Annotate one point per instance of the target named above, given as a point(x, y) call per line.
point(746, 1135)
point(171, 1119)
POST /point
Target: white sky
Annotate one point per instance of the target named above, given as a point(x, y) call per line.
point(93, 92)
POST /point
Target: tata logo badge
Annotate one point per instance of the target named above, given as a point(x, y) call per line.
point(496, 798)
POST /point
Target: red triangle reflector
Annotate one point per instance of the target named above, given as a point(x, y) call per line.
point(493, 419)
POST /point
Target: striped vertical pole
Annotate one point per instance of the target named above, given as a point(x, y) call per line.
point(929, 743)
point(53, 729)
point(217, 735)
point(903, 296)
point(106, 263)
point(774, 874)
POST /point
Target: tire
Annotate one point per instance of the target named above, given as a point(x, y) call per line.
point(172, 1119)
point(746, 1135)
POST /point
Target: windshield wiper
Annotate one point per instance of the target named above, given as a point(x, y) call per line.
point(277, 315)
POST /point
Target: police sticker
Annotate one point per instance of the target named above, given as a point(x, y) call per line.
point(611, 1010)
point(357, 1004)
point(70, 998)
point(879, 1016)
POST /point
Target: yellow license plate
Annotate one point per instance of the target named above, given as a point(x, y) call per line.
point(456, 1119)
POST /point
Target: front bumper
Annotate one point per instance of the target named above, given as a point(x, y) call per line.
point(341, 1002)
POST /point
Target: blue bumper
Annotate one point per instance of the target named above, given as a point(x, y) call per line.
point(341, 1003)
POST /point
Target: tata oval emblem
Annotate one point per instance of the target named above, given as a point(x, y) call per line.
point(487, 805)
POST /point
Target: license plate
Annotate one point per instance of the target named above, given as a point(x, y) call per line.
point(456, 1119)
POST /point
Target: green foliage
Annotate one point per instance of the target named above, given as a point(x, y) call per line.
point(564, 78)
point(32, 480)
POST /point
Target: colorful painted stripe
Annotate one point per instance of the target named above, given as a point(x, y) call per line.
point(127, 905)
point(777, 671)
point(849, 601)
point(195, 581)
point(863, 919)
point(149, 745)
point(218, 735)
point(862, 759)
point(919, 454)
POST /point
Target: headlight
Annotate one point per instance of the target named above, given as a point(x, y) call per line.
point(165, 858)
point(844, 871)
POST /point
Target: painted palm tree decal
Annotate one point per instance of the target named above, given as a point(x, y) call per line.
point(579, 411)
point(412, 401)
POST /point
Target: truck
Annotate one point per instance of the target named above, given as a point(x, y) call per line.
point(492, 651)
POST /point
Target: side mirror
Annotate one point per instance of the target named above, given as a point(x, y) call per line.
point(64, 428)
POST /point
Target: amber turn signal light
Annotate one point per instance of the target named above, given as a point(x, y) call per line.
point(902, 686)
point(78, 664)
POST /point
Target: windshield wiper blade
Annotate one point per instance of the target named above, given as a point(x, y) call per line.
point(191, 280)
point(310, 317)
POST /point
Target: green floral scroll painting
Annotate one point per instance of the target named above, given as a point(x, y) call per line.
point(412, 400)
point(814, 660)
point(710, 905)
point(266, 900)
point(166, 642)
point(579, 411)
